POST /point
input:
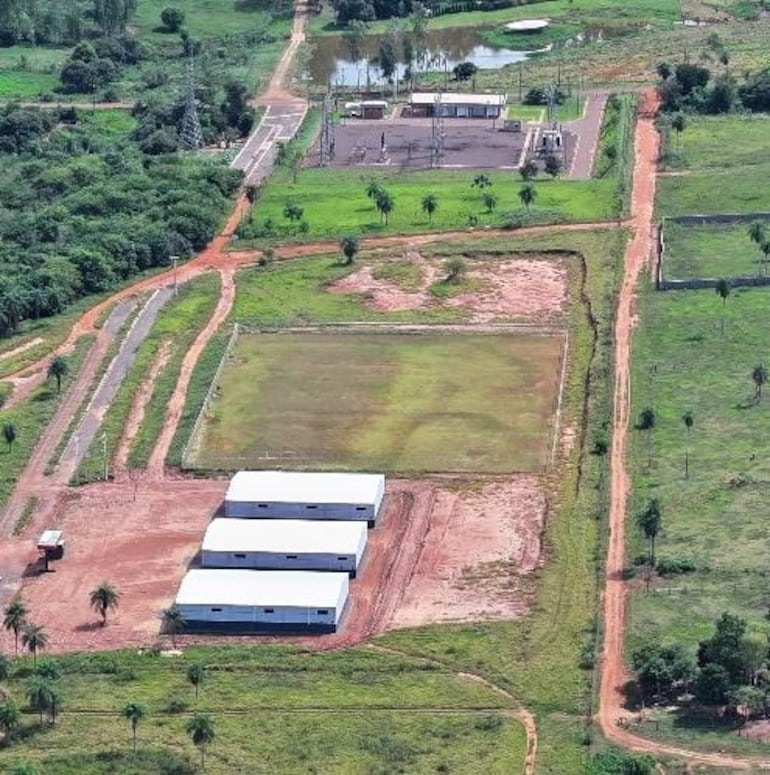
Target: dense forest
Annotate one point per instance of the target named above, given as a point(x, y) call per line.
point(88, 199)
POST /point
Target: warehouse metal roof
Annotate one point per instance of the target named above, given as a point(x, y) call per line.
point(301, 487)
point(291, 588)
point(297, 536)
point(446, 98)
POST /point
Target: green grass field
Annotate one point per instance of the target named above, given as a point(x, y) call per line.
point(320, 193)
point(406, 403)
point(379, 715)
point(710, 250)
point(717, 518)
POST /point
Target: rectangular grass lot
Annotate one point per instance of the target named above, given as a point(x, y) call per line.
point(385, 401)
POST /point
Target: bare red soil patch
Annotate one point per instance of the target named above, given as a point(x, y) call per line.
point(443, 550)
point(504, 289)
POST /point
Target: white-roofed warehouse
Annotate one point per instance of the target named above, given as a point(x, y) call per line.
point(299, 495)
point(262, 601)
point(286, 544)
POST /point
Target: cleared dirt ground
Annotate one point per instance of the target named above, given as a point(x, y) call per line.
point(504, 289)
point(443, 550)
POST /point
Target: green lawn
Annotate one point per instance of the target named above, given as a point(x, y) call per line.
point(24, 85)
point(391, 402)
point(334, 201)
point(716, 518)
point(263, 701)
point(710, 250)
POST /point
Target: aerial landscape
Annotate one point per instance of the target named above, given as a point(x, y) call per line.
point(383, 387)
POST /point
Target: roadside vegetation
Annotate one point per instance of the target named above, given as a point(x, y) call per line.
point(30, 417)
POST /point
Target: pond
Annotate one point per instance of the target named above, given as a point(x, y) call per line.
point(331, 61)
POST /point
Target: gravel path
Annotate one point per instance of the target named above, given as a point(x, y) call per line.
point(588, 129)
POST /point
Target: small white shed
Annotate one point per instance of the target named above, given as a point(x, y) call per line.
point(284, 544)
point(300, 495)
point(270, 601)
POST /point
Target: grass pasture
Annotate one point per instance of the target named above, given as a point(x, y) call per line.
point(385, 401)
point(355, 711)
point(718, 517)
point(710, 250)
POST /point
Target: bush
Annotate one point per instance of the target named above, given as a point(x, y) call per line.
point(675, 566)
point(172, 19)
point(489, 723)
point(175, 705)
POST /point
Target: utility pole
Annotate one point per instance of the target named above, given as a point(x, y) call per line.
point(174, 259)
point(104, 454)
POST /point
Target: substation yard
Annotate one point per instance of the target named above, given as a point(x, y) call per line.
point(457, 546)
point(468, 143)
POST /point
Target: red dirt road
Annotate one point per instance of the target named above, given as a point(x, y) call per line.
point(613, 674)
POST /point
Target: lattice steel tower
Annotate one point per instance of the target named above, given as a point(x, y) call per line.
point(190, 134)
point(437, 133)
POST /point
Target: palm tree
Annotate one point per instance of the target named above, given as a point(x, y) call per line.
point(195, 674)
point(373, 188)
point(765, 250)
point(10, 718)
point(133, 713)
point(689, 421)
point(527, 195)
point(9, 434)
point(103, 599)
point(429, 206)
point(646, 423)
point(384, 204)
point(15, 619)
point(678, 125)
point(759, 375)
point(757, 233)
point(349, 247)
point(41, 695)
point(34, 639)
point(200, 728)
point(722, 289)
point(648, 521)
point(490, 200)
point(173, 622)
point(58, 368)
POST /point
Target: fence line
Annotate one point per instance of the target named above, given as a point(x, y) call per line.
point(209, 394)
point(694, 283)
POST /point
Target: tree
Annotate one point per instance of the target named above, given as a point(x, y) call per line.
point(528, 171)
point(464, 71)
point(386, 59)
point(756, 233)
point(481, 181)
point(753, 650)
point(173, 622)
point(104, 599)
point(759, 377)
point(10, 718)
point(646, 423)
point(430, 205)
point(724, 648)
point(133, 713)
point(648, 520)
point(712, 685)
point(553, 165)
point(663, 669)
point(527, 195)
point(689, 421)
point(764, 248)
point(678, 125)
point(455, 269)
point(722, 289)
point(373, 189)
point(200, 728)
point(58, 368)
point(9, 434)
point(664, 70)
point(354, 37)
point(490, 201)
point(293, 212)
point(172, 19)
point(34, 638)
point(14, 620)
point(195, 675)
point(384, 203)
point(349, 247)
point(42, 696)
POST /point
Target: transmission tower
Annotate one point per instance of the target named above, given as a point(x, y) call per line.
point(190, 135)
point(437, 133)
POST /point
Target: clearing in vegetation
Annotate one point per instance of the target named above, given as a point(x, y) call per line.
point(410, 401)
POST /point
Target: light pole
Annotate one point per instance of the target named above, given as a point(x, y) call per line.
point(174, 259)
point(104, 454)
